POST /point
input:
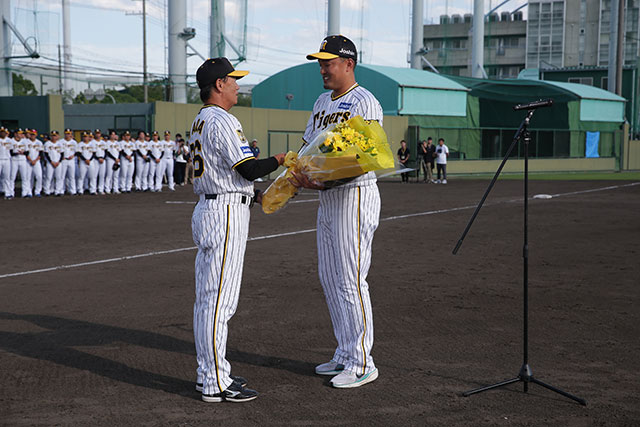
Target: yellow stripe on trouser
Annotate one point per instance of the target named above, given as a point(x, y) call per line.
point(364, 319)
point(215, 317)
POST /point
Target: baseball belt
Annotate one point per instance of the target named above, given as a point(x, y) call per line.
point(244, 199)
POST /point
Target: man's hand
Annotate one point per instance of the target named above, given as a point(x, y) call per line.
point(88, 162)
point(301, 180)
point(280, 158)
point(101, 160)
point(258, 197)
point(157, 160)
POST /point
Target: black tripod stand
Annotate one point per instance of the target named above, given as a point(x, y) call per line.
point(525, 374)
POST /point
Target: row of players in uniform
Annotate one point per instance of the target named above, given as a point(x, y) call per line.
point(96, 164)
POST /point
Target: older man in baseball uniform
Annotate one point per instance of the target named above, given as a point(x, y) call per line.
point(112, 160)
point(348, 216)
point(224, 168)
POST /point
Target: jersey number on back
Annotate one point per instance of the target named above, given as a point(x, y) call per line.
point(198, 162)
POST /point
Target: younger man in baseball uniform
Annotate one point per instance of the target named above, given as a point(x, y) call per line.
point(101, 165)
point(112, 174)
point(127, 162)
point(53, 153)
point(155, 152)
point(142, 162)
point(5, 160)
point(348, 216)
point(87, 164)
point(224, 168)
point(69, 162)
point(34, 154)
point(169, 148)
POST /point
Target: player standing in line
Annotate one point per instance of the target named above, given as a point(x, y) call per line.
point(169, 148)
point(5, 161)
point(86, 164)
point(19, 150)
point(348, 216)
point(155, 152)
point(112, 152)
point(53, 152)
point(69, 162)
point(101, 165)
point(224, 169)
point(34, 154)
point(127, 159)
point(142, 163)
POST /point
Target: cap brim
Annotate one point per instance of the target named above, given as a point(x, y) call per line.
point(321, 55)
point(238, 74)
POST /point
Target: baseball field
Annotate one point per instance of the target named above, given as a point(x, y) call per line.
point(97, 296)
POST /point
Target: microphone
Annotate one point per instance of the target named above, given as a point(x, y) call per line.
point(535, 104)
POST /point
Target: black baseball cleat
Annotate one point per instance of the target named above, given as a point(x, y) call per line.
point(234, 393)
point(240, 380)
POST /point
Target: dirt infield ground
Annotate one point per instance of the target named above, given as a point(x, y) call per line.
point(111, 343)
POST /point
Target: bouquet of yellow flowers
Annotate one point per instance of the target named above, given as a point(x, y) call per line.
point(348, 149)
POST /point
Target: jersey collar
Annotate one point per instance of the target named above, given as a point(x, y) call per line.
point(333, 98)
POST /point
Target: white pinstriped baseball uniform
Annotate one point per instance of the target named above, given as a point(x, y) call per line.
point(5, 165)
point(34, 180)
point(54, 152)
point(69, 164)
point(348, 216)
point(127, 148)
point(112, 178)
point(220, 228)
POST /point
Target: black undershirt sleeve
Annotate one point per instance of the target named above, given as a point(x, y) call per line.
point(254, 169)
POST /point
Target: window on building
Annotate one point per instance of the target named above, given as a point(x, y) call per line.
point(581, 80)
point(604, 83)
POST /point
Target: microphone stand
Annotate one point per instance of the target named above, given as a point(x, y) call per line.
point(525, 375)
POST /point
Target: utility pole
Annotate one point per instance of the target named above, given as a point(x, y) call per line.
point(620, 46)
point(66, 44)
point(333, 18)
point(144, 51)
point(59, 70)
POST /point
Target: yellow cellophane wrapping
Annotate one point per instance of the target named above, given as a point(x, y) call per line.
point(316, 165)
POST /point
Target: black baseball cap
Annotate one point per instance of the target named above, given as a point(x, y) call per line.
point(216, 68)
point(335, 47)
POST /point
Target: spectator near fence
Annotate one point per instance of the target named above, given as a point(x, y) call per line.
point(442, 152)
point(403, 158)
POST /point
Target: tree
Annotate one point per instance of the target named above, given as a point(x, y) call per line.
point(23, 86)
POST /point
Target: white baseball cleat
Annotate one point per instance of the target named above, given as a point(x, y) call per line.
point(348, 379)
point(444, 181)
point(330, 368)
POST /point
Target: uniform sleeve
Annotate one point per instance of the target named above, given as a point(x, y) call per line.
point(309, 129)
point(233, 145)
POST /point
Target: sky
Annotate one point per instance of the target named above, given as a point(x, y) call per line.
point(107, 34)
